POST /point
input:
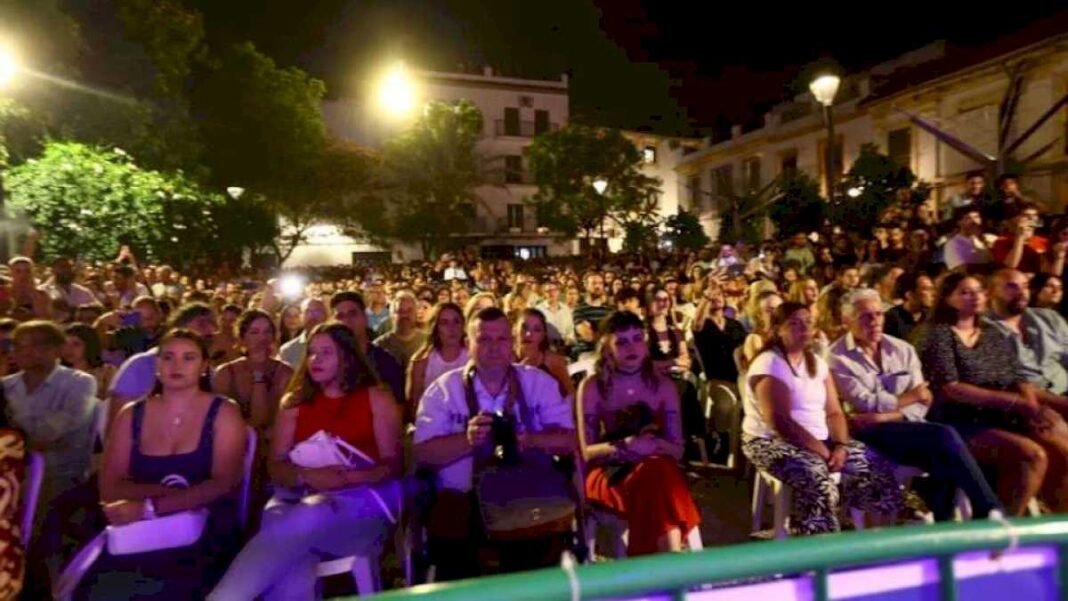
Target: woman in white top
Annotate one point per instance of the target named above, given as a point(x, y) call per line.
point(445, 350)
point(795, 430)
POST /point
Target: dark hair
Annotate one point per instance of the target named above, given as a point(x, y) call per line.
point(1037, 283)
point(8, 325)
point(354, 369)
point(590, 273)
point(1025, 205)
point(627, 294)
point(961, 212)
point(604, 366)
point(779, 317)
point(232, 308)
point(248, 317)
point(90, 340)
point(975, 173)
point(524, 314)
point(347, 296)
point(205, 353)
point(284, 335)
point(943, 312)
point(125, 270)
point(1005, 177)
point(907, 282)
point(187, 313)
point(488, 314)
point(433, 341)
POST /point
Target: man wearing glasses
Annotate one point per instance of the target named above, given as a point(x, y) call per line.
point(881, 384)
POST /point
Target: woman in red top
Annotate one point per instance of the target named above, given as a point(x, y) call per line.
point(332, 511)
point(632, 441)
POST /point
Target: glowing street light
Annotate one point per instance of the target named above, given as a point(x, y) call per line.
point(824, 88)
point(397, 91)
point(235, 192)
point(600, 185)
point(9, 66)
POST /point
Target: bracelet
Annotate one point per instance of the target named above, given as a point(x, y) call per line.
point(837, 444)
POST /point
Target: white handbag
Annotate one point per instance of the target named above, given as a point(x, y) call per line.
point(167, 532)
point(323, 449)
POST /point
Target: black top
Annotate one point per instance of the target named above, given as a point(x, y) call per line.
point(991, 363)
point(716, 348)
point(899, 322)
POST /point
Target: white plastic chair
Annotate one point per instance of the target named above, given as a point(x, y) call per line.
point(780, 492)
point(619, 530)
point(84, 559)
point(964, 507)
point(35, 468)
point(365, 568)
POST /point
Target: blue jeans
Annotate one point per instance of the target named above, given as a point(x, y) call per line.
point(938, 450)
point(280, 561)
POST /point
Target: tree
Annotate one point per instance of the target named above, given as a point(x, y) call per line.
point(88, 202)
point(428, 177)
point(683, 231)
point(565, 163)
point(799, 207)
point(873, 183)
point(742, 214)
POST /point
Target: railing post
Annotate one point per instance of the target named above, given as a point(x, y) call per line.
point(1062, 572)
point(819, 586)
point(947, 582)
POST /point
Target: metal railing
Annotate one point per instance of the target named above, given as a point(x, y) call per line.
point(676, 573)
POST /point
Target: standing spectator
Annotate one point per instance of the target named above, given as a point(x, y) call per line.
point(166, 285)
point(974, 194)
point(716, 336)
point(1020, 247)
point(967, 246)
point(127, 288)
point(27, 300)
point(63, 286)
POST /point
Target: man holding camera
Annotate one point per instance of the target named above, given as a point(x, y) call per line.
point(453, 442)
point(1020, 247)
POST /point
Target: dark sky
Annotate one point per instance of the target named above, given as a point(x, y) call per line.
point(665, 65)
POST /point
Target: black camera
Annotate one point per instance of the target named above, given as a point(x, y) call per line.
point(505, 443)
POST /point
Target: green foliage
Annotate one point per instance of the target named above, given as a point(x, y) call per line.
point(87, 202)
point(428, 180)
point(639, 237)
point(742, 214)
point(684, 231)
point(799, 208)
point(565, 163)
point(879, 180)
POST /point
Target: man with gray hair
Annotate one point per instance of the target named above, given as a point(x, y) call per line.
point(881, 384)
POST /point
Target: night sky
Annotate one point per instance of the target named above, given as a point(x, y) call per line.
point(667, 66)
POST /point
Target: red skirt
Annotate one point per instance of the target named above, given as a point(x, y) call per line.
point(654, 498)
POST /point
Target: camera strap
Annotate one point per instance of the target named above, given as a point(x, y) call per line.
point(515, 399)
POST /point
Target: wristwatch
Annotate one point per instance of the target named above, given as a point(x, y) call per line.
point(150, 509)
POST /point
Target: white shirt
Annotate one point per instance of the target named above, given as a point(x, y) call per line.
point(57, 416)
point(808, 396)
point(436, 366)
point(74, 295)
point(443, 411)
point(561, 325)
point(964, 250)
point(293, 351)
point(127, 298)
point(454, 273)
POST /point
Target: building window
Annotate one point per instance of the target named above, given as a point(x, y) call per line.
point(788, 162)
point(649, 155)
point(723, 181)
point(751, 174)
point(513, 169)
point(693, 186)
point(511, 121)
point(899, 146)
point(541, 122)
point(515, 216)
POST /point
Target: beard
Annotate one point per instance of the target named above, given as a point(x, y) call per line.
point(1016, 307)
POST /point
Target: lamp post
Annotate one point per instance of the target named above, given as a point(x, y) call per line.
point(599, 186)
point(9, 68)
point(824, 89)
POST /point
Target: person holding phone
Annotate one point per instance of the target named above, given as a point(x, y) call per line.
point(881, 380)
point(795, 430)
point(1021, 247)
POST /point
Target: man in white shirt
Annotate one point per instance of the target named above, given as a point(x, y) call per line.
point(967, 247)
point(557, 314)
point(63, 287)
point(53, 405)
point(454, 272)
point(314, 313)
point(127, 288)
point(447, 436)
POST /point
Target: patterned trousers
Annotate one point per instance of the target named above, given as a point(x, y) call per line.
point(868, 482)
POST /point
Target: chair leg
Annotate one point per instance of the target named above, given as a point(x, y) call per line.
point(857, 516)
point(693, 539)
point(964, 506)
point(760, 491)
point(591, 534)
point(781, 494)
point(365, 572)
point(620, 534)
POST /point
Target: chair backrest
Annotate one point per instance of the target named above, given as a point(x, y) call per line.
point(100, 419)
point(35, 467)
point(246, 480)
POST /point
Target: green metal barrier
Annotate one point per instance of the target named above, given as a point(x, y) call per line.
point(678, 572)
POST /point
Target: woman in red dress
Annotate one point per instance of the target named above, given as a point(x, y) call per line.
point(632, 441)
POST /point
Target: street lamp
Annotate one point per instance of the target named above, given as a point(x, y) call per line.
point(824, 89)
point(9, 68)
point(397, 92)
point(235, 192)
point(599, 186)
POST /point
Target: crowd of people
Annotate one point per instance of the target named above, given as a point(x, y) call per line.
point(937, 345)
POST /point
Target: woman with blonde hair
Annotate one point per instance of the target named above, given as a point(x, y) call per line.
point(751, 309)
